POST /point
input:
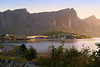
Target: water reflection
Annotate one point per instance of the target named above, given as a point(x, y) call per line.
point(41, 45)
point(36, 40)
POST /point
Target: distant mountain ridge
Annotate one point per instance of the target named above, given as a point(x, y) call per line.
point(21, 22)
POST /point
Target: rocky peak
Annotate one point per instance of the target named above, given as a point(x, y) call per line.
point(24, 9)
point(92, 17)
point(21, 11)
point(73, 10)
point(73, 13)
point(69, 12)
point(8, 10)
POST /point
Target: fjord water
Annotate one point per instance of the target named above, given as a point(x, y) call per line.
point(43, 45)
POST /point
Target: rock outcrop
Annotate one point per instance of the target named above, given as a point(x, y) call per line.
point(13, 63)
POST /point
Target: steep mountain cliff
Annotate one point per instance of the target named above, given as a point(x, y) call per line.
point(21, 22)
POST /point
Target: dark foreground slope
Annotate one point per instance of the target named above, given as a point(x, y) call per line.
point(21, 22)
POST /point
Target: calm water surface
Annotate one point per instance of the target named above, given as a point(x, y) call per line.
point(43, 45)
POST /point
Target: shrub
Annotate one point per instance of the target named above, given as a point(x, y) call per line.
point(23, 48)
point(31, 53)
point(57, 55)
point(61, 57)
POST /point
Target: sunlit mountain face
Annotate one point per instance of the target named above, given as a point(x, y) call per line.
point(21, 22)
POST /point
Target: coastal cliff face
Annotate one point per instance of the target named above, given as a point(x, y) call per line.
point(21, 22)
point(13, 63)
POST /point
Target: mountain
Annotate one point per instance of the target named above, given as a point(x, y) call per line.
point(94, 24)
point(21, 22)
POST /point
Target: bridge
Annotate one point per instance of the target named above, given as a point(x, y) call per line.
point(38, 36)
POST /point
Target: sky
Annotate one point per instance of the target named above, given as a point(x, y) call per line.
point(84, 8)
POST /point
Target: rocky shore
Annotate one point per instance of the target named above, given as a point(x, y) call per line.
point(7, 48)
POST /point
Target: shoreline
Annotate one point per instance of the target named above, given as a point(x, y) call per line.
point(7, 48)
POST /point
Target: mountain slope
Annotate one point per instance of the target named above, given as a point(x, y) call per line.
point(21, 22)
